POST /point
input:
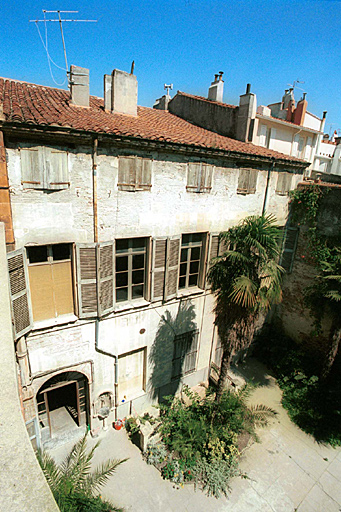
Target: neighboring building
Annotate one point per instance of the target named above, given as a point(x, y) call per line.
point(112, 213)
point(328, 157)
point(283, 126)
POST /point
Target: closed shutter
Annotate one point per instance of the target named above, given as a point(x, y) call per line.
point(172, 267)
point(32, 167)
point(206, 177)
point(289, 248)
point(127, 173)
point(283, 183)
point(106, 274)
point(212, 253)
point(203, 261)
point(86, 280)
point(295, 146)
point(18, 279)
point(57, 174)
point(262, 135)
point(308, 147)
point(253, 174)
point(145, 180)
point(193, 177)
point(271, 139)
point(243, 181)
point(159, 268)
point(189, 364)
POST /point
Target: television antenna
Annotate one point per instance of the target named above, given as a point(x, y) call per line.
point(295, 84)
point(59, 20)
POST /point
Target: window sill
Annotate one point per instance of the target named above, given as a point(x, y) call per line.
point(124, 306)
point(51, 322)
point(189, 291)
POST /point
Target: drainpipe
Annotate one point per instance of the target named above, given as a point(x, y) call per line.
point(94, 188)
point(267, 186)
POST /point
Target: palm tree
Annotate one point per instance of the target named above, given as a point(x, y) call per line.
point(73, 485)
point(246, 280)
point(326, 296)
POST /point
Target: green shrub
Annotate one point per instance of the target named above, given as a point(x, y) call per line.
point(132, 426)
point(156, 453)
point(214, 476)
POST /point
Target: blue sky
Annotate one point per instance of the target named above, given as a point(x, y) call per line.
point(268, 44)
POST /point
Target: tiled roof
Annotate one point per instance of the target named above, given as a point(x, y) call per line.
point(201, 98)
point(41, 106)
point(289, 123)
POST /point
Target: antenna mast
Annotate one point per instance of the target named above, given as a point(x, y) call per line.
point(60, 21)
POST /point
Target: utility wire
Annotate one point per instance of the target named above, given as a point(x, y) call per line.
point(49, 58)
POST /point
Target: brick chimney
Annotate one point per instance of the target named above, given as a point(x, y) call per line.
point(216, 89)
point(120, 93)
point(299, 114)
point(79, 85)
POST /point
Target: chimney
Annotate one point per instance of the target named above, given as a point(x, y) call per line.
point(120, 93)
point(79, 85)
point(299, 114)
point(216, 89)
point(288, 96)
point(246, 115)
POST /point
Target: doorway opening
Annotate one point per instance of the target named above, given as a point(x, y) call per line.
point(63, 405)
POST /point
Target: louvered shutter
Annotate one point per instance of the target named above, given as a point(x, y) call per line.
point(212, 252)
point(189, 364)
point(283, 183)
point(243, 181)
point(308, 147)
point(32, 167)
point(289, 248)
point(145, 181)
point(193, 176)
point(206, 177)
point(127, 173)
point(86, 280)
point(172, 266)
point(106, 274)
point(57, 175)
point(271, 142)
point(203, 261)
point(262, 135)
point(253, 174)
point(19, 288)
point(295, 145)
point(159, 268)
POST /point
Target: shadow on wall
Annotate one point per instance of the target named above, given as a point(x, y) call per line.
point(166, 373)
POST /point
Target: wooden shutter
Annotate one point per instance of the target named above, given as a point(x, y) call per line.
point(243, 181)
point(144, 178)
point(193, 177)
point(159, 268)
point(105, 277)
point(262, 135)
point(32, 167)
point(86, 280)
point(189, 363)
point(289, 248)
point(308, 147)
point(271, 138)
point(21, 304)
point(253, 174)
point(57, 175)
point(127, 173)
point(172, 266)
point(295, 145)
point(212, 252)
point(203, 261)
point(206, 177)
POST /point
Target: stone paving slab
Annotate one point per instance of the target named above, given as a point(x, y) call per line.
point(287, 472)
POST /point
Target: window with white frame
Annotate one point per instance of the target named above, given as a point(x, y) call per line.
point(44, 168)
point(191, 256)
point(131, 258)
point(199, 177)
point(247, 181)
point(50, 278)
point(134, 173)
point(185, 353)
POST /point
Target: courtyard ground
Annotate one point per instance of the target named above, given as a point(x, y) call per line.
point(287, 472)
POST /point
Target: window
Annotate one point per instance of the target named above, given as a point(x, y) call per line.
point(134, 173)
point(190, 260)
point(50, 278)
point(131, 257)
point(247, 181)
point(131, 374)
point(264, 134)
point(44, 168)
point(185, 353)
point(283, 183)
point(199, 177)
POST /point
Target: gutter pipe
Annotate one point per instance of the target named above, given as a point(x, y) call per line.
point(267, 185)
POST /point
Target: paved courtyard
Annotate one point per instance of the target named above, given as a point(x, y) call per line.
point(287, 471)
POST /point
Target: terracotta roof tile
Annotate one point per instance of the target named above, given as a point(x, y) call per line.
point(201, 98)
point(45, 106)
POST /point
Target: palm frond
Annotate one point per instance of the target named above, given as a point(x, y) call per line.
point(335, 295)
point(50, 469)
point(244, 292)
point(102, 473)
point(260, 414)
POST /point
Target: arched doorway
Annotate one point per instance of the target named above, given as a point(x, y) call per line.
point(63, 405)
